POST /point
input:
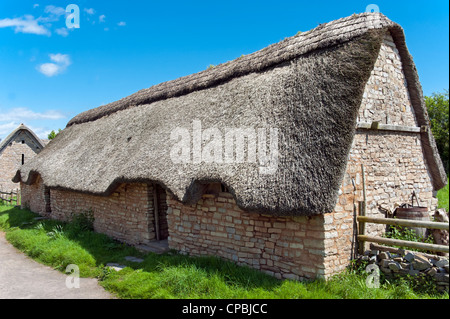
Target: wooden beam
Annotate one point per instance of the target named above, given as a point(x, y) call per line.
point(155, 210)
point(361, 228)
point(362, 211)
point(404, 222)
point(388, 127)
point(404, 243)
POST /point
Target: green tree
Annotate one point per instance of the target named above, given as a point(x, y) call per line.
point(53, 134)
point(437, 105)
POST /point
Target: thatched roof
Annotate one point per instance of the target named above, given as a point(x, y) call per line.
point(40, 143)
point(309, 87)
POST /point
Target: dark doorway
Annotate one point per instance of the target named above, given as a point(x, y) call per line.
point(160, 213)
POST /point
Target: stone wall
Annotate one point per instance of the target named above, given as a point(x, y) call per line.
point(126, 215)
point(393, 161)
point(286, 247)
point(34, 197)
point(386, 98)
point(11, 158)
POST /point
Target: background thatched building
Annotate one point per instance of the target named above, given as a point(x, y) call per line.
point(17, 148)
point(323, 102)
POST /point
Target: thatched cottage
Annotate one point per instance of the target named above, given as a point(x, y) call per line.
point(16, 149)
point(258, 160)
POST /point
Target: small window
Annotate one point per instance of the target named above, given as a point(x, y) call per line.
point(23, 159)
point(23, 141)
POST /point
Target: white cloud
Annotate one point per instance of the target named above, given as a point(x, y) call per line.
point(61, 62)
point(122, 24)
point(64, 32)
point(62, 59)
point(90, 11)
point(35, 5)
point(102, 18)
point(7, 128)
point(25, 24)
point(49, 69)
point(22, 114)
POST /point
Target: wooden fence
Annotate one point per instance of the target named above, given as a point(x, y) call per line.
point(10, 198)
point(362, 220)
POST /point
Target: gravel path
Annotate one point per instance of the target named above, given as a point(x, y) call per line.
point(23, 278)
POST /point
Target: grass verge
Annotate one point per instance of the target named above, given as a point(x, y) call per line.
point(172, 275)
point(443, 197)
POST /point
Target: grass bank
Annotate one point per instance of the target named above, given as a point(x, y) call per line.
point(172, 275)
point(443, 197)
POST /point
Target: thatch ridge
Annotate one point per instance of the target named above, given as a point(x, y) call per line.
point(325, 35)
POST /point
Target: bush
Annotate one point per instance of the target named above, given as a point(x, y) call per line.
point(82, 221)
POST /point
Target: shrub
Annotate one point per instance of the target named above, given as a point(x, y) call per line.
point(82, 221)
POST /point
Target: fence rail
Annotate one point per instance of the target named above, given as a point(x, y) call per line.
point(10, 198)
point(404, 243)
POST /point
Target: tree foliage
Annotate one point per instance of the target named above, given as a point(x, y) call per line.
point(53, 134)
point(438, 111)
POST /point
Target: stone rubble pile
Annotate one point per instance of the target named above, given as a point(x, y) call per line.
point(411, 263)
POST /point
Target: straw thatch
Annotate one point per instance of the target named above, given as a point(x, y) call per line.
point(309, 87)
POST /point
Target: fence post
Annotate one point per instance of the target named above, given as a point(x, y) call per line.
point(361, 228)
point(362, 212)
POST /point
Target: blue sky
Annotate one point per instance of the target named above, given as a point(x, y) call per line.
point(49, 74)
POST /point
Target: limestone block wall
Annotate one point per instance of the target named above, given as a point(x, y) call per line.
point(386, 98)
point(126, 215)
point(394, 162)
point(394, 168)
point(285, 247)
point(11, 158)
point(34, 197)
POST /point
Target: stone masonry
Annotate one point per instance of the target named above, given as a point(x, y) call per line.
point(126, 214)
point(286, 247)
point(11, 158)
point(394, 162)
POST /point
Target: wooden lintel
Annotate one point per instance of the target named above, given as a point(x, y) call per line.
point(404, 222)
point(388, 127)
point(404, 243)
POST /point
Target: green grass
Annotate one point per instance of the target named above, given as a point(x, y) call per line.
point(7, 203)
point(173, 275)
point(443, 197)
